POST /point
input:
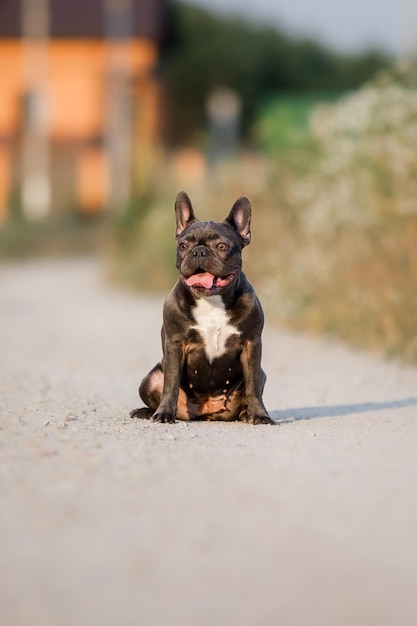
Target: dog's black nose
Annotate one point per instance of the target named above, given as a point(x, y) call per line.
point(200, 251)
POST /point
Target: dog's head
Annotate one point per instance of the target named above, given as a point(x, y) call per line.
point(209, 254)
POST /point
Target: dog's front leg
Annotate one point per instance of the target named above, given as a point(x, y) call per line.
point(171, 364)
point(255, 378)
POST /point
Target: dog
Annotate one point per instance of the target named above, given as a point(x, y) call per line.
point(212, 325)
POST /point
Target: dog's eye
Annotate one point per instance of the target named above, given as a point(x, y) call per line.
point(222, 246)
point(183, 246)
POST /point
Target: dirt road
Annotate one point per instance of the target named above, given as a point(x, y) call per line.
point(107, 521)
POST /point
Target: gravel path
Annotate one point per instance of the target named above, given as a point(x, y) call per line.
point(108, 521)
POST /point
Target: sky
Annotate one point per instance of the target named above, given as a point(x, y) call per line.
point(347, 25)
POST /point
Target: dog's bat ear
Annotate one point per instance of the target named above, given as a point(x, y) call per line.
point(239, 219)
point(183, 212)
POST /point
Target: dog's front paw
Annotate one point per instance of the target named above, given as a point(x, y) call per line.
point(256, 418)
point(261, 419)
point(163, 418)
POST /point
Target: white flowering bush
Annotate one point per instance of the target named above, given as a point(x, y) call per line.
point(347, 262)
point(367, 166)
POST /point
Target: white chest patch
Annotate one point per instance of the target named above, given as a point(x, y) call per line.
point(213, 325)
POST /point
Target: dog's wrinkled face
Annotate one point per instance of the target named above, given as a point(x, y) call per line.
point(209, 254)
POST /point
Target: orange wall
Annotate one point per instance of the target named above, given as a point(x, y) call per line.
point(76, 72)
point(5, 174)
point(11, 85)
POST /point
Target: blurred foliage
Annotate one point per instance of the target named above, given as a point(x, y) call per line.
point(142, 250)
point(207, 51)
point(334, 222)
point(351, 268)
point(283, 123)
point(61, 234)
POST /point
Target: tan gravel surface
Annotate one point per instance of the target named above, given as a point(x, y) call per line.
point(107, 521)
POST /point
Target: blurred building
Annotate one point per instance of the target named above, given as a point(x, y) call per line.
point(79, 93)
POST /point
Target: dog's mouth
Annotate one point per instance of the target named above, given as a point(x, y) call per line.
point(208, 282)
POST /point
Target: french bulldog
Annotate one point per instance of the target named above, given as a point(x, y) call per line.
point(212, 325)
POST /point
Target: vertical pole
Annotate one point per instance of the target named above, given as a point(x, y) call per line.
point(119, 102)
point(36, 184)
point(223, 109)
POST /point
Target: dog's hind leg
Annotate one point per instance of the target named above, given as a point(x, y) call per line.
point(143, 413)
point(150, 391)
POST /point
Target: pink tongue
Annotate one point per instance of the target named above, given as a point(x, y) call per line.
point(201, 280)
